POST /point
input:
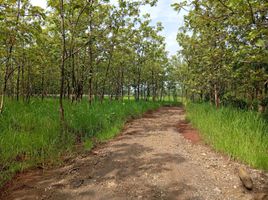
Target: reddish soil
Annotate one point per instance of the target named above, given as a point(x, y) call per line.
point(188, 132)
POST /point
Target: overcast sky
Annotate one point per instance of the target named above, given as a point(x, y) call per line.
point(163, 12)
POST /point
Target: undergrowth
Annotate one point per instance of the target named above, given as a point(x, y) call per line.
point(243, 135)
point(30, 133)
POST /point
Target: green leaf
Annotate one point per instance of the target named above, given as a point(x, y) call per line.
point(260, 43)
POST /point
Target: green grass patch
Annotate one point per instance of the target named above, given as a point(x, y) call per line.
point(88, 144)
point(30, 132)
point(243, 135)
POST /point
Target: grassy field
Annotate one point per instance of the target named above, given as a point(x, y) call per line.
point(30, 133)
point(243, 135)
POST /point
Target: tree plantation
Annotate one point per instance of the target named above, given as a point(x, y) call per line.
point(93, 47)
point(190, 120)
point(225, 49)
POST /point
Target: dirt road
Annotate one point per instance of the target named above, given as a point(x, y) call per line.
point(149, 160)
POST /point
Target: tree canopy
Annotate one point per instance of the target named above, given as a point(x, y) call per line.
point(77, 48)
point(225, 50)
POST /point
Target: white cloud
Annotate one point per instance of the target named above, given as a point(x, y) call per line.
point(172, 45)
point(170, 19)
point(41, 3)
point(114, 2)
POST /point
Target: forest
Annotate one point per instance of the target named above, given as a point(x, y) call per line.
point(73, 74)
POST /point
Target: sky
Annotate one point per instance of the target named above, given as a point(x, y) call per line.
point(171, 20)
point(162, 12)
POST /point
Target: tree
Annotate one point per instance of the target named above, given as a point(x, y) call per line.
point(224, 46)
point(78, 48)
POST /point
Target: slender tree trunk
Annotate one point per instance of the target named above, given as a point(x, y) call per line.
point(148, 93)
point(18, 83)
point(90, 81)
point(128, 92)
point(139, 82)
point(141, 92)
point(90, 55)
point(5, 80)
point(161, 92)
point(216, 96)
point(169, 94)
point(28, 83)
point(144, 92)
point(22, 79)
point(106, 74)
point(74, 85)
point(122, 83)
point(153, 85)
point(8, 62)
point(43, 83)
point(63, 45)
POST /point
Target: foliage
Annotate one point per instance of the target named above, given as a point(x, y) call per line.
point(106, 49)
point(225, 50)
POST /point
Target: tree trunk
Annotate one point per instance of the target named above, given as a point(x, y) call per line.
point(63, 46)
point(18, 84)
point(43, 83)
point(148, 93)
point(122, 83)
point(128, 92)
point(74, 85)
point(139, 82)
point(6, 79)
point(216, 96)
point(106, 75)
point(8, 60)
point(22, 79)
point(90, 81)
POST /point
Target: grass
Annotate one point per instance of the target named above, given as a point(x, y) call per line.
point(243, 135)
point(30, 133)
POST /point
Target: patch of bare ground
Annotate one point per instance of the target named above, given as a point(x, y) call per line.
point(185, 128)
point(151, 159)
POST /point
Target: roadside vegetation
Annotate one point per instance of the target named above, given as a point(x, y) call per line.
point(31, 137)
point(239, 133)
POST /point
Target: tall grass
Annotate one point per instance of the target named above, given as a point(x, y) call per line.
point(30, 133)
point(241, 134)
